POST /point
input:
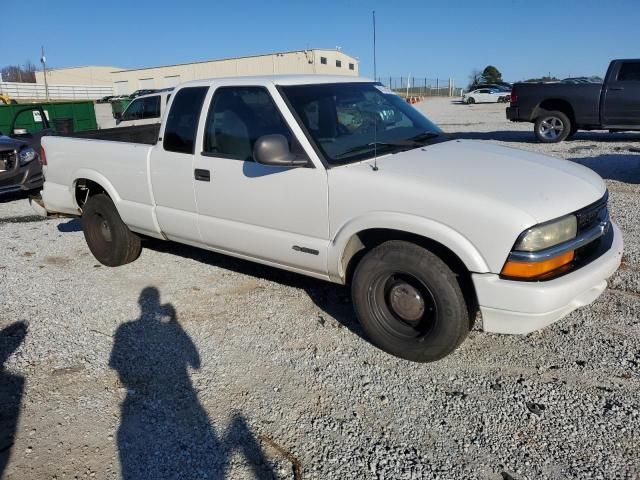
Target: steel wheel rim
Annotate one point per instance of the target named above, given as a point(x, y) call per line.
point(551, 127)
point(403, 305)
point(101, 228)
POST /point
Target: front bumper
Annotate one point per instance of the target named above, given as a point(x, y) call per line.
point(25, 178)
point(517, 307)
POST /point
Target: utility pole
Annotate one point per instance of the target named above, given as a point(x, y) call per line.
point(43, 59)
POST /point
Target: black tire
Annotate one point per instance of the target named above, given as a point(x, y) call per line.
point(471, 101)
point(552, 127)
point(422, 322)
point(108, 238)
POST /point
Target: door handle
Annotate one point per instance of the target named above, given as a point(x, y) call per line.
point(202, 175)
point(616, 88)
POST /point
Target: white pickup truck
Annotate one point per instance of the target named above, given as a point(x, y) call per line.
point(340, 179)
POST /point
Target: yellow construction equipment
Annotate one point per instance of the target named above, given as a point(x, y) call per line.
point(6, 99)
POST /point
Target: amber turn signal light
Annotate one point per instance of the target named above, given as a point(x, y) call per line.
point(531, 270)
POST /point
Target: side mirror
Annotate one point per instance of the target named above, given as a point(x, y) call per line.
point(274, 150)
point(117, 116)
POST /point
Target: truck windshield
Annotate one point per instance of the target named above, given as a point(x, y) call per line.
point(350, 122)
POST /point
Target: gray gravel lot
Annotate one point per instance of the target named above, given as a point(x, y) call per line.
point(187, 364)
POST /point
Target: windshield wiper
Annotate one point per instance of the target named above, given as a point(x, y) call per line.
point(404, 144)
point(424, 136)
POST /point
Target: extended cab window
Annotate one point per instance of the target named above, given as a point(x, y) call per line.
point(134, 110)
point(238, 116)
point(151, 107)
point(182, 121)
point(629, 72)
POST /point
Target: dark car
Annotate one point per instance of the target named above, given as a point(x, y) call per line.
point(20, 168)
point(558, 110)
point(20, 164)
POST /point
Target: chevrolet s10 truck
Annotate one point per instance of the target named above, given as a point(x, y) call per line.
point(340, 179)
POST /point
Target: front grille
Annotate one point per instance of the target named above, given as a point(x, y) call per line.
point(589, 217)
point(7, 160)
point(593, 214)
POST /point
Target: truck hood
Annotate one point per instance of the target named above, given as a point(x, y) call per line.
point(541, 186)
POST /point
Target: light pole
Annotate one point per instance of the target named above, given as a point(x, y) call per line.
point(43, 60)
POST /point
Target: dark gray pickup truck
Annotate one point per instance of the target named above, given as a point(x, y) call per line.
point(560, 109)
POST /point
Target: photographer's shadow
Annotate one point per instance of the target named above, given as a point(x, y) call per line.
point(11, 390)
point(165, 433)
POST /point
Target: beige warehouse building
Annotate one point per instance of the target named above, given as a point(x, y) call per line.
point(86, 75)
point(125, 81)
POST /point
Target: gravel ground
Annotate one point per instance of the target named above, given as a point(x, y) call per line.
point(187, 364)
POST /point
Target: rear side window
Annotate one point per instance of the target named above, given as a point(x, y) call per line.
point(629, 72)
point(182, 121)
point(133, 111)
point(151, 107)
point(238, 116)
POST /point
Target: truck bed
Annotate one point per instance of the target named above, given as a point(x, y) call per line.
point(584, 99)
point(143, 134)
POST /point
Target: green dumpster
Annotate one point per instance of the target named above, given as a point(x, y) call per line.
point(82, 113)
point(119, 106)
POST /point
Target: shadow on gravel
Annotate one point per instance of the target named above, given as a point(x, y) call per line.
point(11, 388)
point(527, 136)
point(620, 167)
point(73, 225)
point(165, 433)
point(501, 135)
point(11, 197)
point(333, 299)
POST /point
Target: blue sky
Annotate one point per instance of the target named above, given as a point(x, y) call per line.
point(424, 38)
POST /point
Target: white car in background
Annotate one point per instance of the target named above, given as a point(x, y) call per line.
point(486, 95)
point(145, 109)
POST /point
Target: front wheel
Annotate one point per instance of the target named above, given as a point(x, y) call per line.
point(471, 101)
point(108, 238)
point(409, 302)
point(552, 127)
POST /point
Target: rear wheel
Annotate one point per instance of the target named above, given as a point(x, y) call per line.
point(108, 238)
point(409, 302)
point(552, 127)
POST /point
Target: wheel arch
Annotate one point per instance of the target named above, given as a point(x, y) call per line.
point(88, 183)
point(360, 235)
point(555, 104)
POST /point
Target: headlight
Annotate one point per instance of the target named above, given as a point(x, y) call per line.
point(536, 239)
point(548, 235)
point(27, 155)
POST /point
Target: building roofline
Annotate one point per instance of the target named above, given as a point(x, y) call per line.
point(236, 58)
point(52, 69)
point(284, 80)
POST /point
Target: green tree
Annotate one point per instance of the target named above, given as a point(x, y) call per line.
point(491, 74)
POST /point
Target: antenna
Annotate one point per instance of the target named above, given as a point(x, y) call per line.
point(375, 125)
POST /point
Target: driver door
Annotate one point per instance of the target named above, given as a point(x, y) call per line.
point(277, 215)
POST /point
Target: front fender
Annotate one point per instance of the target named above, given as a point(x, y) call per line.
point(424, 227)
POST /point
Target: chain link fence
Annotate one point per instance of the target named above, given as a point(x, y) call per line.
point(422, 86)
